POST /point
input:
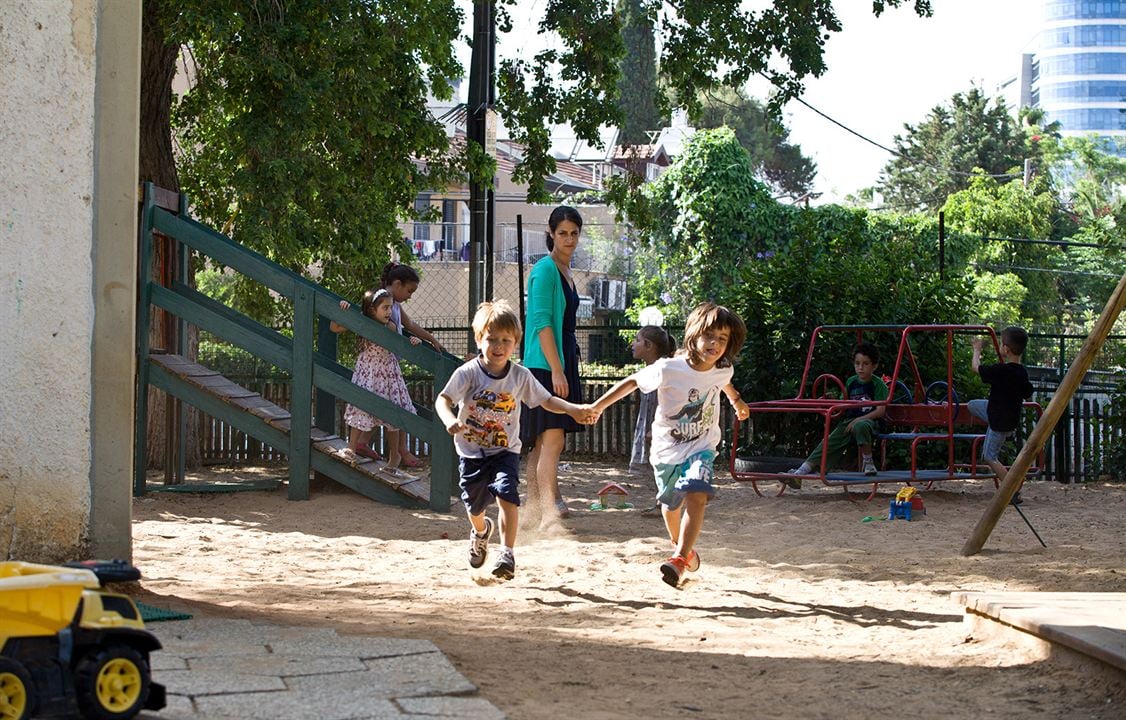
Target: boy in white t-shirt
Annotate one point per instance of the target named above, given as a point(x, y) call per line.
point(488, 391)
point(686, 428)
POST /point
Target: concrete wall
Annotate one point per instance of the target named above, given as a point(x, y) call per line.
point(50, 203)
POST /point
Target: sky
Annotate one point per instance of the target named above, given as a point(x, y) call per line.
point(882, 73)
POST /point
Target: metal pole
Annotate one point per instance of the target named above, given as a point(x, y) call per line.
point(520, 264)
point(941, 246)
point(480, 91)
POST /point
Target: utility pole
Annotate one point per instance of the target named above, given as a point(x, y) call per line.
point(482, 201)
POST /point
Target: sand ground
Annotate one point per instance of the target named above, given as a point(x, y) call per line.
point(800, 610)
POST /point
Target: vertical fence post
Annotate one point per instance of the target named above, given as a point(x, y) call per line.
point(325, 410)
point(443, 459)
point(301, 402)
point(141, 411)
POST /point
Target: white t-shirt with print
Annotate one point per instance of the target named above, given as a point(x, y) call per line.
point(687, 420)
point(490, 407)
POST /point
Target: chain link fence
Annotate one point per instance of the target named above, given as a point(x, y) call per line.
point(601, 267)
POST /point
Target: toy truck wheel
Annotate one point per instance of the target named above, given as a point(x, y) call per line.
point(112, 683)
point(16, 691)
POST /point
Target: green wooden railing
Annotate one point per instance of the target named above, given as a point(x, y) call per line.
point(309, 357)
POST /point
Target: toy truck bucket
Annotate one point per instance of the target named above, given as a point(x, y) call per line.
point(40, 599)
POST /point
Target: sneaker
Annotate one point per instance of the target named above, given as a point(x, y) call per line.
point(793, 483)
point(870, 467)
point(672, 569)
point(479, 545)
point(692, 562)
point(506, 566)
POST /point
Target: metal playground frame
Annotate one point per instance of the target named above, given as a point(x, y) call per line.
point(916, 414)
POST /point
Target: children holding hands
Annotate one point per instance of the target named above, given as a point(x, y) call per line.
point(487, 392)
point(685, 431)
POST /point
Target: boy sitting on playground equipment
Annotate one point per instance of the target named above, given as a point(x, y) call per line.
point(859, 427)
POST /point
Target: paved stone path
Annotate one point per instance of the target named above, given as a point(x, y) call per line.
point(221, 668)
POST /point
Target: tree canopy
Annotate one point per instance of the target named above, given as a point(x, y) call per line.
point(938, 156)
point(637, 81)
point(305, 132)
point(775, 160)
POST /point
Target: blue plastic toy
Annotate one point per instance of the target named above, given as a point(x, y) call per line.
point(904, 502)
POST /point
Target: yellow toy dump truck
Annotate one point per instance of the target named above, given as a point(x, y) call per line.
point(67, 646)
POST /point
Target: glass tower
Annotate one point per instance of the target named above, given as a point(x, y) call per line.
point(1078, 77)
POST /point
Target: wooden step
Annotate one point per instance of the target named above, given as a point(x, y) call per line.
point(416, 487)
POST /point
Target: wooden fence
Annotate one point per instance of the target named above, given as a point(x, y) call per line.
point(1073, 455)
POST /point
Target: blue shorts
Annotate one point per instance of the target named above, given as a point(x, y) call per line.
point(994, 439)
point(482, 479)
point(676, 480)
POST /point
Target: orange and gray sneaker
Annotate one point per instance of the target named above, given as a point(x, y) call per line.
point(692, 562)
point(672, 569)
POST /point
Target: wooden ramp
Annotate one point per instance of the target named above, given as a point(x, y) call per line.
point(253, 414)
point(1093, 625)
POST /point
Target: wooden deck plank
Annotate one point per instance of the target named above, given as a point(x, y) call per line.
point(1093, 624)
point(181, 366)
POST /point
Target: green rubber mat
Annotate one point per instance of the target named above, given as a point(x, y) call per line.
point(151, 613)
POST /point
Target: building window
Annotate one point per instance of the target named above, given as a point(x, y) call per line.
point(421, 229)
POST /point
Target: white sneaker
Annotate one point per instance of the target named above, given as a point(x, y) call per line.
point(479, 545)
point(870, 467)
point(505, 568)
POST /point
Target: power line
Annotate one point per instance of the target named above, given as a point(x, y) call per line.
point(1042, 269)
point(1059, 243)
point(901, 155)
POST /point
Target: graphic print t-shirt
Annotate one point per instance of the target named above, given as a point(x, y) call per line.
point(687, 419)
point(490, 407)
point(874, 389)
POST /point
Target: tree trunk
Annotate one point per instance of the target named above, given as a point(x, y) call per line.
point(157, 164)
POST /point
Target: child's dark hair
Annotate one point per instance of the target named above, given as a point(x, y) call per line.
point(558, 215)
point(665, 343)
point(1016, 338)
point(405, 274)
point(709, 316)
point(372, 298)
point(868, 350)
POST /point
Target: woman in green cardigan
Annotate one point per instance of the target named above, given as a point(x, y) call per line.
point(551, 352)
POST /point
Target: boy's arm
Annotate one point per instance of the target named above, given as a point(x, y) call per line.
point(617, 392)
point(585, 414)
point(741, 410)
point(444, 406)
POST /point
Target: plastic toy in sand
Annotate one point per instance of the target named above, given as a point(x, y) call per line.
point(608, 491)
point(906, 503)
